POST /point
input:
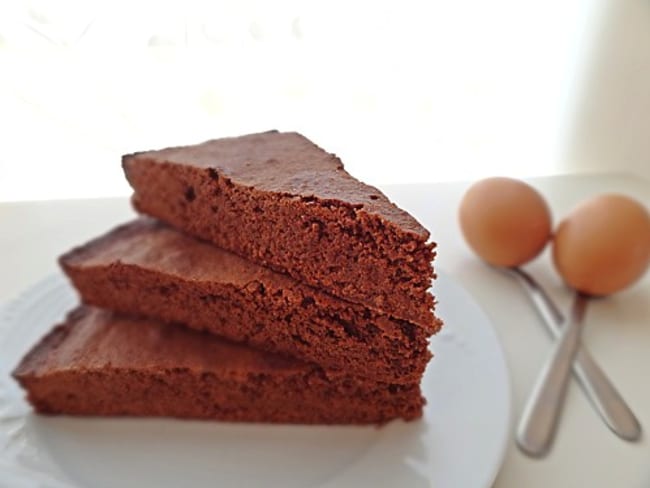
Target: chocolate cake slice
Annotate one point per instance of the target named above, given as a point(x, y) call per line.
point(98, 363)
point(281, 201)
point(145, 268)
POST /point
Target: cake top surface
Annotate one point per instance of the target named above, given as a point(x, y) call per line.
point(92, 339)
point(289, 164)
point(147, 243)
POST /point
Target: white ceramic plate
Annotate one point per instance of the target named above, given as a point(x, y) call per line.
point(460, 442)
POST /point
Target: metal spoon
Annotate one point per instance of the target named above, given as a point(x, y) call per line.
point(605, 232)
point(542, 411)
point(600, 391)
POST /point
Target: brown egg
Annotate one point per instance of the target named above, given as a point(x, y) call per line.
point(603, 246)
point(505, 221)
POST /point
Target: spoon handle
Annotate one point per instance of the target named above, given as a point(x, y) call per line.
point(601, 392)
point(541, 414)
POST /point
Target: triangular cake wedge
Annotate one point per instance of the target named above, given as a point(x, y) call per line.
point(99, 363)
point(146, 268)
point(279, 200)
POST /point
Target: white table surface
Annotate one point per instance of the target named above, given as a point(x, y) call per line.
point(586, 453)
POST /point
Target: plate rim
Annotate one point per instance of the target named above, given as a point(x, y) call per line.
point(507, 432)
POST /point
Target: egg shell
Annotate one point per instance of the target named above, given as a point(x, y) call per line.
point(505, 221)
point(603, 245)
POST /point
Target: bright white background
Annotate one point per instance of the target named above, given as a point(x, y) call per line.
point(403, 91)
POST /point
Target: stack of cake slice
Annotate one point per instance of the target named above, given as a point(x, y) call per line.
point(273, 287)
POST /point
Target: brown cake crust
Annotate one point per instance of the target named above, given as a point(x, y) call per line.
point(99, 363)
point(281, 201)
point(147, 269)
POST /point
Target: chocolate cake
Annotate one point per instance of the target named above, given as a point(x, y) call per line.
point(281, 201)
point(98, 363)
point(147, 269)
